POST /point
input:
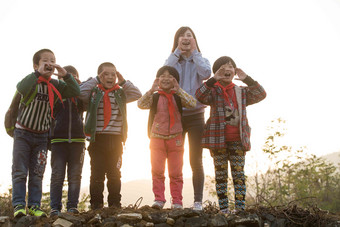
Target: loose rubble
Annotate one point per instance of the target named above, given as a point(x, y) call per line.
point(210, 216)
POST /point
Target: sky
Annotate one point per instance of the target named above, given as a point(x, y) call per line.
point(291, 47)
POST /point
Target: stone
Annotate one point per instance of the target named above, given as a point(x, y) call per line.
point(162, 225)
point(196, 222)
point(219, 220)
point(186, 212)
point(26, 221)
point(279, 223)
point(62, 222)
point(96, 219)
point(157, 217)
point(269, 217)
point(180, 222)
point(130, 216)
point(144, 223)
point(170, 221)
point(76, 220)
point(5, 221)
point(247, 220)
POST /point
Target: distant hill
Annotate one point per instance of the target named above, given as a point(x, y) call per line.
point(333, 158)
point(133, 190)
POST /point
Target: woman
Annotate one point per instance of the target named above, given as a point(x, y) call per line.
point(186, 57)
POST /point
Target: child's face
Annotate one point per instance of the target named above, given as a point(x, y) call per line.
point(227, 72)
point(47, 59)
point(166, 81)
point(184, 41)
point(108, 76)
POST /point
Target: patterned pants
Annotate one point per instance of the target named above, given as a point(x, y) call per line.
point(236, 157)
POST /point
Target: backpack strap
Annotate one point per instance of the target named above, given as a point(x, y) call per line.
point(152, 112)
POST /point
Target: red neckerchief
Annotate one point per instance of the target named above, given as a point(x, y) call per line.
point(51, 88)
point(227, 92)
point(171, 106)
point(107, 103)
point(73, 100)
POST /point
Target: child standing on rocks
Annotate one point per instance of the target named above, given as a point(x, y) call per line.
point(227, 133)
point(106, 128)
point(165, 100)
point(38, 94)
point(67, 150)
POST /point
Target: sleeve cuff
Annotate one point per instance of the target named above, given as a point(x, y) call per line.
point(177, 53)
point(122, 83)
point(211, 82)
point(36, 73)
point(67, 76)
point(97, 79)
point(249, 81)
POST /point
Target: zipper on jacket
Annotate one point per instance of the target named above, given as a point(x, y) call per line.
point(70, 121)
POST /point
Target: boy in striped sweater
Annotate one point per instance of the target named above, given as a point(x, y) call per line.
point(38, 94)
point(106, 129)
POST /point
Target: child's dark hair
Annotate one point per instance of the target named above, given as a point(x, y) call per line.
point(221, 61)
point(71, 69)
point(181, 32)
point(105, 64)
point(172, 71)
point(37, 55)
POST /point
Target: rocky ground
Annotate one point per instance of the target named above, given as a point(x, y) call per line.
point(147, 216)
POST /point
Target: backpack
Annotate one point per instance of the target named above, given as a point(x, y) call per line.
point(13, 110)
point(12, 114)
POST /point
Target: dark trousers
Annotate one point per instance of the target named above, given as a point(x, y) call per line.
point(106, 160)
point(194, 125)
point(64, 156)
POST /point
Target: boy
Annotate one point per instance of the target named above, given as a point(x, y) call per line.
point(165, 100)
point(106, 128)
point(38, 92)
point(227, 133)
point(67, 147)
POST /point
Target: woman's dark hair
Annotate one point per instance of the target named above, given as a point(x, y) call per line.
point(172, 71)
point(181, 32)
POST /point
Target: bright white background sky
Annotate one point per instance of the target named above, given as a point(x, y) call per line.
point(292, 47)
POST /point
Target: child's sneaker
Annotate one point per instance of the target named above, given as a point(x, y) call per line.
point(158, 204)
point(176, 206)
point(54, 212)
point(225, 211)
point(19, 211)
point(36, 211)
point(197, 206)
point(73, 210)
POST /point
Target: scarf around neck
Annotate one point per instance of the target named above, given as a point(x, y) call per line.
point(107, 103)
point(171, 106)
point(229, 94)
point(50, 88)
